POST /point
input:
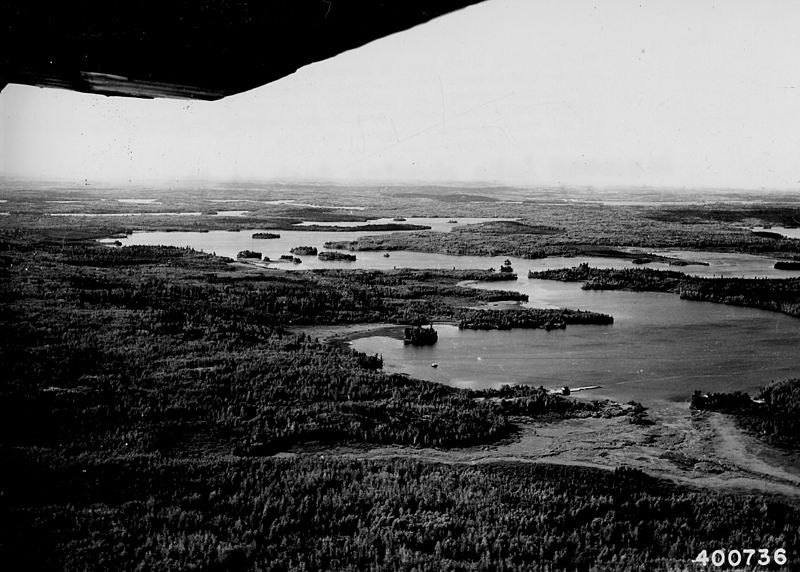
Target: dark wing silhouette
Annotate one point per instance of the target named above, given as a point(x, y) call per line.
point(203, 49)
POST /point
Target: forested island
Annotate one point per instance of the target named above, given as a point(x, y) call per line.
point(266, 235)
point(419, 336)
point(249, 254)
point(304, 250)
point(339, 256)
point(775, 294)
point(529, 318)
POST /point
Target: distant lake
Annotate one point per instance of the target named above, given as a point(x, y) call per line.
point(227, 243)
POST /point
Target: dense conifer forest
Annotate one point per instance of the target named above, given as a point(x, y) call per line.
point(321, 513)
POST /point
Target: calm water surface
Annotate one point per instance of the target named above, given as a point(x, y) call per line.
point(659, 348)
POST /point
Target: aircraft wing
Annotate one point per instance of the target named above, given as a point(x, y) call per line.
point(200, 49)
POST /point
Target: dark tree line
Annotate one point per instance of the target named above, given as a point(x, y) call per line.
point(774, 415)
point(319, 513)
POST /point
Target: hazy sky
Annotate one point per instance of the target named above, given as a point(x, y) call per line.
point(666, 93)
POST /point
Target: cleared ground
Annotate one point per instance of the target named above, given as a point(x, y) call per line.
point(701, 449)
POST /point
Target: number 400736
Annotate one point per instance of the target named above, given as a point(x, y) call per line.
point(745, 557)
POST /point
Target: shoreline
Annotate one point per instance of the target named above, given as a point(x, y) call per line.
point(702, 449)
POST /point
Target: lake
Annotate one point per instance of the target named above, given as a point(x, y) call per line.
point(659, 348)
point(227, 243)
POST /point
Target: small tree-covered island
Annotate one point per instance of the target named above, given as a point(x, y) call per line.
point(249, 254)
point(304, 250)
point(420, 336)
point(329, 255)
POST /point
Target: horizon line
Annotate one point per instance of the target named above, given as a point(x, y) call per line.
point(340, 183)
